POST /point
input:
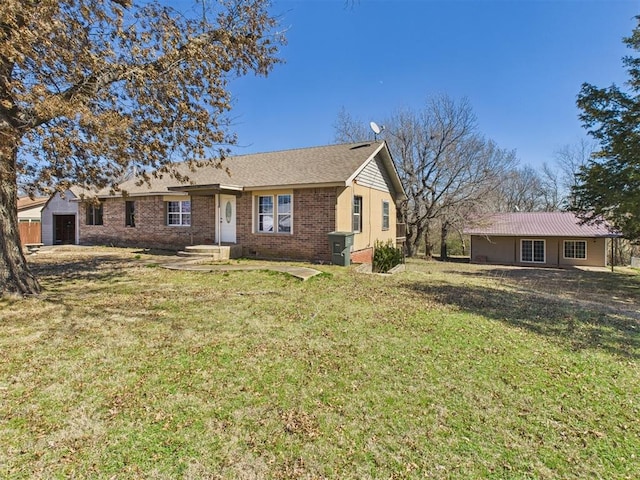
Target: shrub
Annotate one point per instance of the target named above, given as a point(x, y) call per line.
point(386, 256)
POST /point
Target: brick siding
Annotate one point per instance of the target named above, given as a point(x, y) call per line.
point(313, 219)
point(150, 228)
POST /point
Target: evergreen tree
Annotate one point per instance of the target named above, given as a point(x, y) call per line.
point(608, 186)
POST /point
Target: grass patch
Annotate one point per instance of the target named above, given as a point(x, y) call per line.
point(445, 371)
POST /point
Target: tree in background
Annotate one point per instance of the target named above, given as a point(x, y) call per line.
point(547, 189)
point(349, 130)
point(447, 168)
point(608, 187)
point(569, 161)
point(520, 190)
point(90, 88)
point(469, 185)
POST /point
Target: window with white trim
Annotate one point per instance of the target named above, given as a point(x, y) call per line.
point(179, 213)
point(265, 213)
point(532, 251)
point(284, 213)
point(274, 213)
point(575, 249)
point(385, 215)
point(357, 214)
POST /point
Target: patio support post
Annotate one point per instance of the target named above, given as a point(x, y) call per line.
point(613, 252)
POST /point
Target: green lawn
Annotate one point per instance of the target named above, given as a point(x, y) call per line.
point(122, 369)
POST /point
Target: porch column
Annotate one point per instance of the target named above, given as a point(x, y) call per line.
point(219, 219)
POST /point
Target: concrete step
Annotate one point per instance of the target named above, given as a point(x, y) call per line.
point(214, 256)
point(205, 249)
point(213, 252)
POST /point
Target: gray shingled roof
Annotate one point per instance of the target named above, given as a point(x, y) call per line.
point(326, 165)
point(538, 224)
point(26, 203)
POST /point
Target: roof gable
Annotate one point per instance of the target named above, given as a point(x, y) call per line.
point(379, 172)
point(537, 224)
point(374, 175)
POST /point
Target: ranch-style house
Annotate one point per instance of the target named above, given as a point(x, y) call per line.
point(279, 204)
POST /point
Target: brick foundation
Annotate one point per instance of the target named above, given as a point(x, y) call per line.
point(362, 256)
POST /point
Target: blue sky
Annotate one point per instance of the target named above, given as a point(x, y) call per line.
point(520, 63)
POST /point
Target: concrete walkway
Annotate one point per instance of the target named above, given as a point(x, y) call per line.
point(303, 273)
point(189, 264)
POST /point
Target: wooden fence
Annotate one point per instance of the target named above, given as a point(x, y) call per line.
point(30, 232)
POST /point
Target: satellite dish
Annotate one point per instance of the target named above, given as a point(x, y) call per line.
point(376, 129)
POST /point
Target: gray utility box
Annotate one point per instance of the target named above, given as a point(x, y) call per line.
point(340, 244)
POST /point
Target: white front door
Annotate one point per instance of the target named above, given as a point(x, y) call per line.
point(227, 218)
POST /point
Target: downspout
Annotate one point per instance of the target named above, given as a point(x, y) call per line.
point(191, 223)
point(219, 225)
point(336, 210)
point(370, 213)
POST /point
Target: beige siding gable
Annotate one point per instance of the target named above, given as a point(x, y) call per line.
point(375, 175)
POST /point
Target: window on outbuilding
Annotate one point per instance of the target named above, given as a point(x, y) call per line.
point(94, 214)
point(532, 251)
point(575, 249)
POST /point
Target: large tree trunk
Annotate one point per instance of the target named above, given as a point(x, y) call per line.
point(414, 235)
point(428, 247)
point(15, 276)
point(410, 241)
point(444, 233)
point(463, 243)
